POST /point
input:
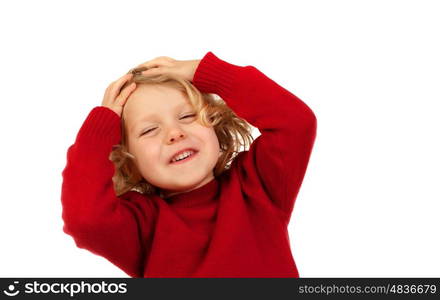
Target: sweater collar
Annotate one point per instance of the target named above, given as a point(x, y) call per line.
point(205, 193)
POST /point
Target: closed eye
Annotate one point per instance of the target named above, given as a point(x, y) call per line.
point(187, 116)
point(192, 115)
point(148, 131)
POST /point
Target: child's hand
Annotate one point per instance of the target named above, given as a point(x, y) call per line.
point(168, 65)
point(114, 98)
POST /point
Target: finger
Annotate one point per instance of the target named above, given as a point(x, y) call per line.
point(154, 71)
point(125, 77)
point(113, 88)
point(149, 64)
point(117, 85)
point(122, 79)
point(123, 96)
point(106, 94)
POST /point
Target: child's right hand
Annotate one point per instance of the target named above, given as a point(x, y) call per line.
point(114, 98)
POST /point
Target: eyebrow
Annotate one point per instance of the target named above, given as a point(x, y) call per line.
point(149, 116)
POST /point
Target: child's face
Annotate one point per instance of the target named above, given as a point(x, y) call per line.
point(165, 110)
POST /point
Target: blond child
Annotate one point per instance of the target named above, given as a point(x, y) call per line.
point(156, 182)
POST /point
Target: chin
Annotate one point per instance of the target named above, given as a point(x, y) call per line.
point(185, 182)
point(184, 185)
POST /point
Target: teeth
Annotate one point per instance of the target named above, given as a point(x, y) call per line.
point(182, 155)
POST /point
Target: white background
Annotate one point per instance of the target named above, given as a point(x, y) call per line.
point(370, 71)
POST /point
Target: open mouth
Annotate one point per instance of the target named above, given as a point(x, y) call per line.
point(185, 159)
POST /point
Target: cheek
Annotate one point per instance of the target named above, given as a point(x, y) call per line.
point(147, 153)
point(212, 141)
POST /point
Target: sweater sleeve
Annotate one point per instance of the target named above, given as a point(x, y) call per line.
point(115, 228)
point(280, 155)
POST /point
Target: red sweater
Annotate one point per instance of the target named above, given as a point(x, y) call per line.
point(233, 226)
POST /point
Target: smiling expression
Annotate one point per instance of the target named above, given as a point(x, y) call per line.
point(160, 122)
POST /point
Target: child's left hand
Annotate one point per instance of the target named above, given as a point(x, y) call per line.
point(168, 65)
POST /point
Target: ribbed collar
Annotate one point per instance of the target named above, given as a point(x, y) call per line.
point(206, 193)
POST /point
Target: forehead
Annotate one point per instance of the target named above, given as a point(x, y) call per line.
point(147, 101)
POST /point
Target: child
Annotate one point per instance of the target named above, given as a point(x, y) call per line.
point(216, 213)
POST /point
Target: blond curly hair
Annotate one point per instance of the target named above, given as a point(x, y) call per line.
point(232, 132)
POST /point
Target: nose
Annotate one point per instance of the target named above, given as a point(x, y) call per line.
point(176, 135)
